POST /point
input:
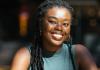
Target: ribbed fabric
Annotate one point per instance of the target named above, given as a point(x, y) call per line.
point(60, 60)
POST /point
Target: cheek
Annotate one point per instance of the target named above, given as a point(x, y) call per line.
point(67, 30)
point(67, 33)
point(48, 28)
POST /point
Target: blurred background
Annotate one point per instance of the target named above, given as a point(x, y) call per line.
point(15, 32)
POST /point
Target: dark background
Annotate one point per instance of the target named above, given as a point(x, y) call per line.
point(85, 28)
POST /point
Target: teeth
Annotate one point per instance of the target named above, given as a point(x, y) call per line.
point(58, 35)
point(57, 32)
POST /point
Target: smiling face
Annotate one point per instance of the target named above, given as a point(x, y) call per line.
point(56, 26)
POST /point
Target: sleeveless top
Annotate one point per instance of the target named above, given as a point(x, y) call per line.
point(60, 60)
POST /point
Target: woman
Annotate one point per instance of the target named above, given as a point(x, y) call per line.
point(49, 52)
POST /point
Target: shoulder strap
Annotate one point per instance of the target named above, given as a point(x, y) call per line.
point(71, 55)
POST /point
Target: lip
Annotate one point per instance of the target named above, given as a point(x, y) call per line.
point(57, 32)
point(57, 37)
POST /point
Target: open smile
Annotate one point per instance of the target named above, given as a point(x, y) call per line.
point(57, 35)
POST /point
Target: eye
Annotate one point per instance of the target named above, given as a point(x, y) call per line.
point(65, 24)
point(52, 22)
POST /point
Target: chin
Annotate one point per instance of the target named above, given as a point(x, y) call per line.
point(57, 43)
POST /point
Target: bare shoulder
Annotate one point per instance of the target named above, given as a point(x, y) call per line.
point(21, 59)
point(82, 51)
point(80, 48)
point(23, 52)
point(85, 58)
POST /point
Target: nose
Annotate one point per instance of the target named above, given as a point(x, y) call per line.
point(59, 27)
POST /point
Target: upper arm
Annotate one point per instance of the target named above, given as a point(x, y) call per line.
point(21, 60)
point(85, 60)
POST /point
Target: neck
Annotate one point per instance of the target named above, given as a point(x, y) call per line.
point(50, 47)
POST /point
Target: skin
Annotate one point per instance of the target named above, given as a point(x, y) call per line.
point(56, 29)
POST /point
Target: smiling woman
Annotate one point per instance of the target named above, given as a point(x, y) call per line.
point(56, 27)
point(52, 23)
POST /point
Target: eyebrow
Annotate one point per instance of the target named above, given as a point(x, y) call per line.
point(52, 17)
point(56, 18)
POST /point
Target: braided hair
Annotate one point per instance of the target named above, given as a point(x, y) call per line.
point(36, 20)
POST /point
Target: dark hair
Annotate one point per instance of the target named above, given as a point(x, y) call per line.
point(36, 20)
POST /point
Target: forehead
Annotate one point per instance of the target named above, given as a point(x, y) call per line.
point(59, 12)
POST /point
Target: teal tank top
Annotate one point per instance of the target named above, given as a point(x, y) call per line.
point(60, 60)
